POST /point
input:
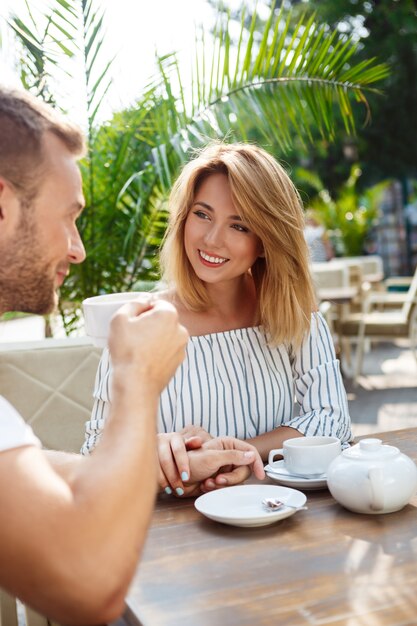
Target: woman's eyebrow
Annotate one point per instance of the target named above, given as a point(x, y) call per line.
point(204, 205)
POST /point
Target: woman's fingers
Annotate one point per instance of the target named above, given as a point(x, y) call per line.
point(173, 461)
point(163, 482)
point(218, 462)
point(179, 453)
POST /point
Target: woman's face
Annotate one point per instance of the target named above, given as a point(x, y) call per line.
point(218, 244)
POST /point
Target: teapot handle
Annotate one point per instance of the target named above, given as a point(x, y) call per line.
point(376, 479)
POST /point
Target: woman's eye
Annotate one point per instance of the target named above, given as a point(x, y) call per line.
point(201, 214)
point(240, 228)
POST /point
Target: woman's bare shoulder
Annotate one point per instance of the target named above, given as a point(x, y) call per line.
point(165, 294)
point(187, 318)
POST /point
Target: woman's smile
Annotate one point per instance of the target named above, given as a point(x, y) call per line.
point(211, 260)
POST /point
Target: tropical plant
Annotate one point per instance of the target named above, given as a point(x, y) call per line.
point(387, 28)
point(350, 215)
point(69, 29)
point(42, 46)
point(290, 81)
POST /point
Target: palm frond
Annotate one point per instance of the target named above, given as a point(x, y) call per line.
point(42, 42)
point(97, 79)
point(314, 66)
point(292, 81)
point(286, 82)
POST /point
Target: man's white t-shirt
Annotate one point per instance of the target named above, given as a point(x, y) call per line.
point(14, 432)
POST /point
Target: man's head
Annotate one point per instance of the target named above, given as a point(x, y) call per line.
point(40, 199)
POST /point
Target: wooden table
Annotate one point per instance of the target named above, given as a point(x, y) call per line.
point(324, 566)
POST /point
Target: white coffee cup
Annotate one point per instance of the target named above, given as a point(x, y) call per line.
point(98, 312)
point(307, 456)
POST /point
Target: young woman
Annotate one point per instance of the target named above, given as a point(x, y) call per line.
point(235, 261)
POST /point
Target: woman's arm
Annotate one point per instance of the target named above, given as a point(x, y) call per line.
point(319, 387)
point(319, 391)
point(274, 439)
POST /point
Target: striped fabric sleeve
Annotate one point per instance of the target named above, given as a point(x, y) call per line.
point(95, 425)
point(319, 388)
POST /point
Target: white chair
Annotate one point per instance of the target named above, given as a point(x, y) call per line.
point(386, 324)
point(328, 275)
point(50, 382)
point(341, 283)
point(372, 266)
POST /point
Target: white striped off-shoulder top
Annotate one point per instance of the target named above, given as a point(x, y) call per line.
point(233, 383)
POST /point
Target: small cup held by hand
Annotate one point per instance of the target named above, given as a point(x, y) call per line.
point(307, 456)
point(98, 312)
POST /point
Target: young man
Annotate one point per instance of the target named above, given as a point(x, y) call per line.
point(71, 534)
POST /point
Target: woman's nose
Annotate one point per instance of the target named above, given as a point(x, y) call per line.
point(214, 236)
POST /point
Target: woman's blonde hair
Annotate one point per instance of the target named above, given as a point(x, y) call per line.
point(270, 206)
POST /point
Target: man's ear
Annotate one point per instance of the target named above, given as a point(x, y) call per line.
point(1, 190)
point(9, 204)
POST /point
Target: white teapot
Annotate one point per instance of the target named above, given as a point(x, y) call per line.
point(371, 477)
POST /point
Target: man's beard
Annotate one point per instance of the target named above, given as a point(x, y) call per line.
point(26, 281)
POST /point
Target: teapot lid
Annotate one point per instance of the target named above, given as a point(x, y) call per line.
point(371, 449)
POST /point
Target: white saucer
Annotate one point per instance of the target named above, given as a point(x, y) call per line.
point(242, 505)
point(281, 475)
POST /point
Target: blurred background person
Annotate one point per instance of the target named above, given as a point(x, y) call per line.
point(319, 245)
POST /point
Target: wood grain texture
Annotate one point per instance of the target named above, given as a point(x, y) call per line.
point(324, 566)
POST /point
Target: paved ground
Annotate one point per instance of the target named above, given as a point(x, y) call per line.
point(386, 395)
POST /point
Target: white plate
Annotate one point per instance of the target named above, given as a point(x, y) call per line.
point(242, 505)
point(279, 474)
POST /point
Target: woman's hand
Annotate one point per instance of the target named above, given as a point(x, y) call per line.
point(189, 467)
point(174, 466)
point(173, 459)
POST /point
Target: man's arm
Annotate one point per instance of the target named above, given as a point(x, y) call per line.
point(69, 548)
point(65, 463)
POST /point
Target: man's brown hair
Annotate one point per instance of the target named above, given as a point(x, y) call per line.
point(24, 120)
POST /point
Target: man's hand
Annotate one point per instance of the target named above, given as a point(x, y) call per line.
point(145, 335)
point(195, 431)
point(237, 457)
